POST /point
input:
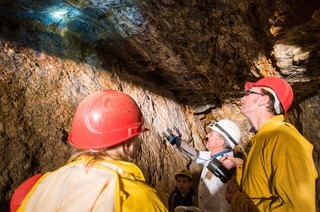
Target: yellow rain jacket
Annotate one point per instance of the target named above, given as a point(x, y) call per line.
point(105, 186)
point(279, 173)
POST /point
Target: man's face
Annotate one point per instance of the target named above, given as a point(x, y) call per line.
point(249, 102)
point(183, 183)
point(214, 140)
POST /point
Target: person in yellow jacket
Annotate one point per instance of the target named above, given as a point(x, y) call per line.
point(100, 177)
point(279, 172)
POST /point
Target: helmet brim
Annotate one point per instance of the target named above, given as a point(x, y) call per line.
point(249, 85)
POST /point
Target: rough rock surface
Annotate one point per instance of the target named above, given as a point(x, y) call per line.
point(184, 62)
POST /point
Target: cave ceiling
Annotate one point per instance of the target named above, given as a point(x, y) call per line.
point(201, 50)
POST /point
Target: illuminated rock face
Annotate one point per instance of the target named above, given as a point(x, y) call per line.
point(184, 63)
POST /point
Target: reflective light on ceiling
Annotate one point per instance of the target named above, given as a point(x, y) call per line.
point(61, 14)
point(88, 20)
point(112, 17)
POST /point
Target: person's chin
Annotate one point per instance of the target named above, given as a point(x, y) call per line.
point(241, 107)
point(242, 110)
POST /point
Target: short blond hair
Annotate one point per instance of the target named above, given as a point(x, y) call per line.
point(126, 151)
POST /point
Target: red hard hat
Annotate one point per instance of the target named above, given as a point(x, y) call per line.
point(104, 119)
point(282, 89)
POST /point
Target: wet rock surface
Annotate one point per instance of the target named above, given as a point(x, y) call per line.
point(185, 63)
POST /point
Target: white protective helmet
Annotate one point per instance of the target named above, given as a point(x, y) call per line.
point(229, 129)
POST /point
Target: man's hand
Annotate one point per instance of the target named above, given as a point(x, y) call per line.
point(228, 161)
point(240, 201)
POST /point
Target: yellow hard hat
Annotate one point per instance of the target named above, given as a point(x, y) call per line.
point(183, 172)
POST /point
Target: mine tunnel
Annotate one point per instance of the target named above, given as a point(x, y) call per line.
point(185, 63)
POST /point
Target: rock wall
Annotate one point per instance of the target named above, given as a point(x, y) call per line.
point(39, 94)
point(40, 91)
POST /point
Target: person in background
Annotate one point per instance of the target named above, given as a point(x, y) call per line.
point(183, 193)
point(279, 172)
point(101, 176)
point(224, 136)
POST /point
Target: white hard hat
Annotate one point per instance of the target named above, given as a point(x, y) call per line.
point(229, 129)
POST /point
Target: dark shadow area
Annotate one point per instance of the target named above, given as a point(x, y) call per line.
point(69, 30)
point(191, 49)
point(121, 32)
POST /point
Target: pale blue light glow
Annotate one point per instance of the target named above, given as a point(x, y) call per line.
point(62, 13)
point(59, 14)
point(89, 20)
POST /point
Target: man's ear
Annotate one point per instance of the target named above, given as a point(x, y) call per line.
point(128, 146)
point(221, 142)
point(263, 100)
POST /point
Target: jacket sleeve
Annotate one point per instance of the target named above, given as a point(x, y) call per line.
point(294, 182)
point(292, 172)
point(199, 157)
point(239, 166)
point(188, 149)
point(241, 202)
point(21, 192)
